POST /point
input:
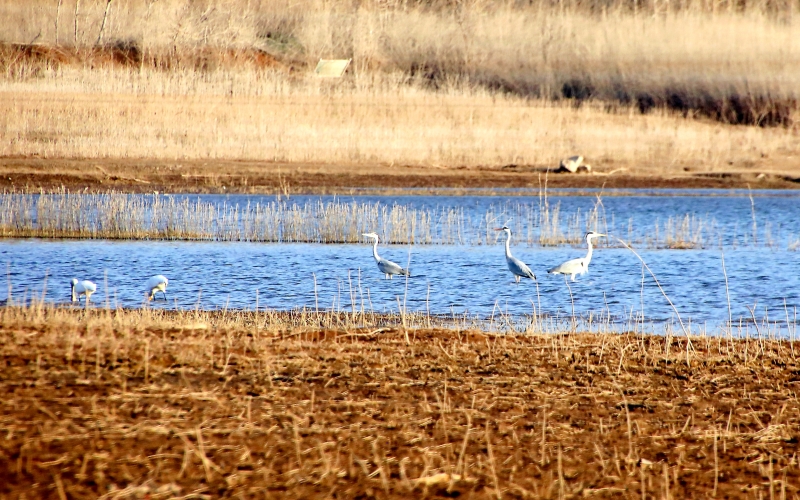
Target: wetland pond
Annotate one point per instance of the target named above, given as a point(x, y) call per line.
point(756, 235)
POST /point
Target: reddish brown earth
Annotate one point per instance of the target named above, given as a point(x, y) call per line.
point(155, 412)
point(231, 176)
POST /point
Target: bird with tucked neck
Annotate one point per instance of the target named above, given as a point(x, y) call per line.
point(85, 288)
point(157, 283)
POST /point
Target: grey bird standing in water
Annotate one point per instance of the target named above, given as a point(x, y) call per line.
point(387, 267)
point(577, 266)
point(516, 266)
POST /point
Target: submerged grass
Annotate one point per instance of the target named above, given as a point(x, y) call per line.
point(128, 404)
point(130, 216)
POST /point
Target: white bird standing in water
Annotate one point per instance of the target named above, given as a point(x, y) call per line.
point(85, 287)
point(387, 267)
point(577, 266)
point(157, 283)
point(516, 266)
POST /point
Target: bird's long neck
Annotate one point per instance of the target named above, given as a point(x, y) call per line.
point(375, 250)
point(508, 243)
point(588, 257)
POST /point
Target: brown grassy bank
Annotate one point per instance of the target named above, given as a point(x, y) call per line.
point(147, 175)
point(134, 404)
point(499, 89)
point(729, 61)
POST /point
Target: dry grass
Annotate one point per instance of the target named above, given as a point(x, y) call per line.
point(124, 404)
point(484, 84)
point(137, 217)
point(369, 122)
point(124, 216)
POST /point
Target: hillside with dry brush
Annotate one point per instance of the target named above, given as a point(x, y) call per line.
point(213, 96)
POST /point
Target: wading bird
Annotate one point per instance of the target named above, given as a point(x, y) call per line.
point(157, 283)
point(387, 267)
point(79, 288)
point(516, 266)
point(577, 266)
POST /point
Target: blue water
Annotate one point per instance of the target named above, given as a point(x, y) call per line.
point(721, 218)
point(455, 279)
point(703, 218)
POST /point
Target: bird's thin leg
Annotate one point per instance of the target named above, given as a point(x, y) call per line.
point(165, 295)
point(571, 300)
point(516, 279)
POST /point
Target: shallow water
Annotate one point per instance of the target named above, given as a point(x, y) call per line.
point(647, 219)
point(722, 219)
point(459, 280)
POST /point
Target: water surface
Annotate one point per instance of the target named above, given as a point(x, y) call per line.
point(450, 279)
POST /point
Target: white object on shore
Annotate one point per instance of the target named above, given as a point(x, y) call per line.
point(574, 164)
point(331, 68)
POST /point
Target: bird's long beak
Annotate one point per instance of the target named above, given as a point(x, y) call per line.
point(498, 229)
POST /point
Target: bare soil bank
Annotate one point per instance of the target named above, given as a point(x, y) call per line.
point(231, 176)
point(166, 411)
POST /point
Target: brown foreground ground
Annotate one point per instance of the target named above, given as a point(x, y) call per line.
point(138, 405)
point(231, 176)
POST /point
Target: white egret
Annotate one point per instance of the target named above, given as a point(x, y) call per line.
point(157, 283)
point(387, 267)
point(85, 287)
point(577, 266)
point(516, 266)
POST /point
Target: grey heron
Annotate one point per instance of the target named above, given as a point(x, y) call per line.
point(387, 267)
point(577, 266)
point(85, 288)
point(157, 283)
point(516, 266)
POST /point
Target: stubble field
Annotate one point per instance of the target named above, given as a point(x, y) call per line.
point(142, 404)
point(210, 96)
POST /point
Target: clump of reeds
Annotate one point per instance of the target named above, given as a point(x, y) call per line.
point(129, 216)
point(126, 216)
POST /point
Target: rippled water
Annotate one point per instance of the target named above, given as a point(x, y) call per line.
point(717, 218)
point(454, 279)
point(647, 219)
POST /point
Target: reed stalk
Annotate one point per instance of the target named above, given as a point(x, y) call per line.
point(112, 215)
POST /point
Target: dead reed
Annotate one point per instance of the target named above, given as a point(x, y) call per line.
point(129, 404)
point(500, 80)
point(129, 216)
point(727, 61)
point(125, 216)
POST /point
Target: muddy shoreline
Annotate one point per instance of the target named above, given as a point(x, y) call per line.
point(258, 177)
point(159, 407)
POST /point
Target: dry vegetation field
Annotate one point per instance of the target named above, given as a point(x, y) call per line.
point(218, 96)
point(206, 96)
point(146, 404)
